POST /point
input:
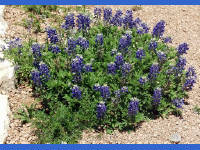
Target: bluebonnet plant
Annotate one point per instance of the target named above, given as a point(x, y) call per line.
point(182, 48)
point(55, 49)
point(83, 22)
point(97, 87)
point(35, 76)
point(101, 110)
point(126, 68)
point(161, 56)
point(97, 12)
point(52, 35)
point(117, 19)
point(107, 15)
point(44, 71)
point(119, 60)
point(117, 93)
point(178, 102)
point(167, 40)
point(180, 66)
point(143, 80)
point(124, 89)
point(142, 28)
point(105, 91)
point(112, 68)
point(190, 79)
point(99, 39)
point(76, 92)
point(154, 70)
point(159, 29)
point(69, 22)
point(124, 42)
point(128, 19)
point(133, 107)
point(157, 96)
point(77, 77)
point(82, 42)
point(16, 43)
point(113, 52)
point(36, 50)
point(153, 45)
point(71, 45)
point(140, 54)
point(77, 64)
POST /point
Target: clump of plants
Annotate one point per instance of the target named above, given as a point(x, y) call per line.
point(104, 71)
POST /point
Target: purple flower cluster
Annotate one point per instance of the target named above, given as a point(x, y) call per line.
point(159, 29)
point(178, 102)
point(124, 89)
point(128, 19)
point(99, 39)
point(143, 80)
point(119, 60)
point(55, 49)
point(97, 12)
point(154, 70)
point(112, 68)
point(35, 76)
point(113, 52)
point(133, 107)
point(52, 35)
point(16, 43)
point(167, 40)
point(161, 56)
point(77, 64)
point(101, 110)
point(180, 66)
point(36, 50)
point(69, 22)
point(71, 45)
point(107, 15)
point(182, 48)
point(121, 91)
point(126, 68)
point(82, 42)
point(117, 19)
point(88, 67)
point(42, 74)
point(157, 95)
point(190, 79)
point(83, 22)
point(140, 54)
point(104, 90)
point(153, 45)
point(142, 28)
point(76, 92)
point(125, 42)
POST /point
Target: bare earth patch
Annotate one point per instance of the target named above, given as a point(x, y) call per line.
point(183, 25)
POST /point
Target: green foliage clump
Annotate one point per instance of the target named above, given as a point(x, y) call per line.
point(108, 75)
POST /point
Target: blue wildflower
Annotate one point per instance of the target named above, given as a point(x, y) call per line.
point(113, 52)
point(69, 22)
point(107, 15)
point(52, 35)
point(154, 70)
point(128, 19)
point(153, 45)
point(76, 92)
point(157, 95)
point(191, 72)
point(44, 71)
point(143, 80)
point(181, 64)
point(97, 87)
point(124, 89)
point(133, 107)
point(119, 60)
point(178, 102)
point(77, 64)
point(71, 45)
point(126, 68)
point(99, 39)
point(182, 48)
point(167, 40)
point(112, 68)
point(142, 28)
point(97, 12)
point(77, 77)
point(83, 22)
point(159, 29)
point(161, 56)
point(101, 110)
point(16, 43)
point(117, 93)
point(117, 19)
point(82, 42)
point(105, 91)
point(54, 49)
point(35, 76)
point(140, 54)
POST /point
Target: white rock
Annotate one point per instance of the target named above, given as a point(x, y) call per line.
point(4, 118)
point(176, 138)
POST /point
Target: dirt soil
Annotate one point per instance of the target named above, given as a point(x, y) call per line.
point(183, 25)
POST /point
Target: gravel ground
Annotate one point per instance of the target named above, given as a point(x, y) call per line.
point(183, 25)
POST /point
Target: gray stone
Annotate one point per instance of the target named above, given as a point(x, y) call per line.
point(175, 138)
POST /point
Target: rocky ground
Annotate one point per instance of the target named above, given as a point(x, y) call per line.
point(183, 25)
